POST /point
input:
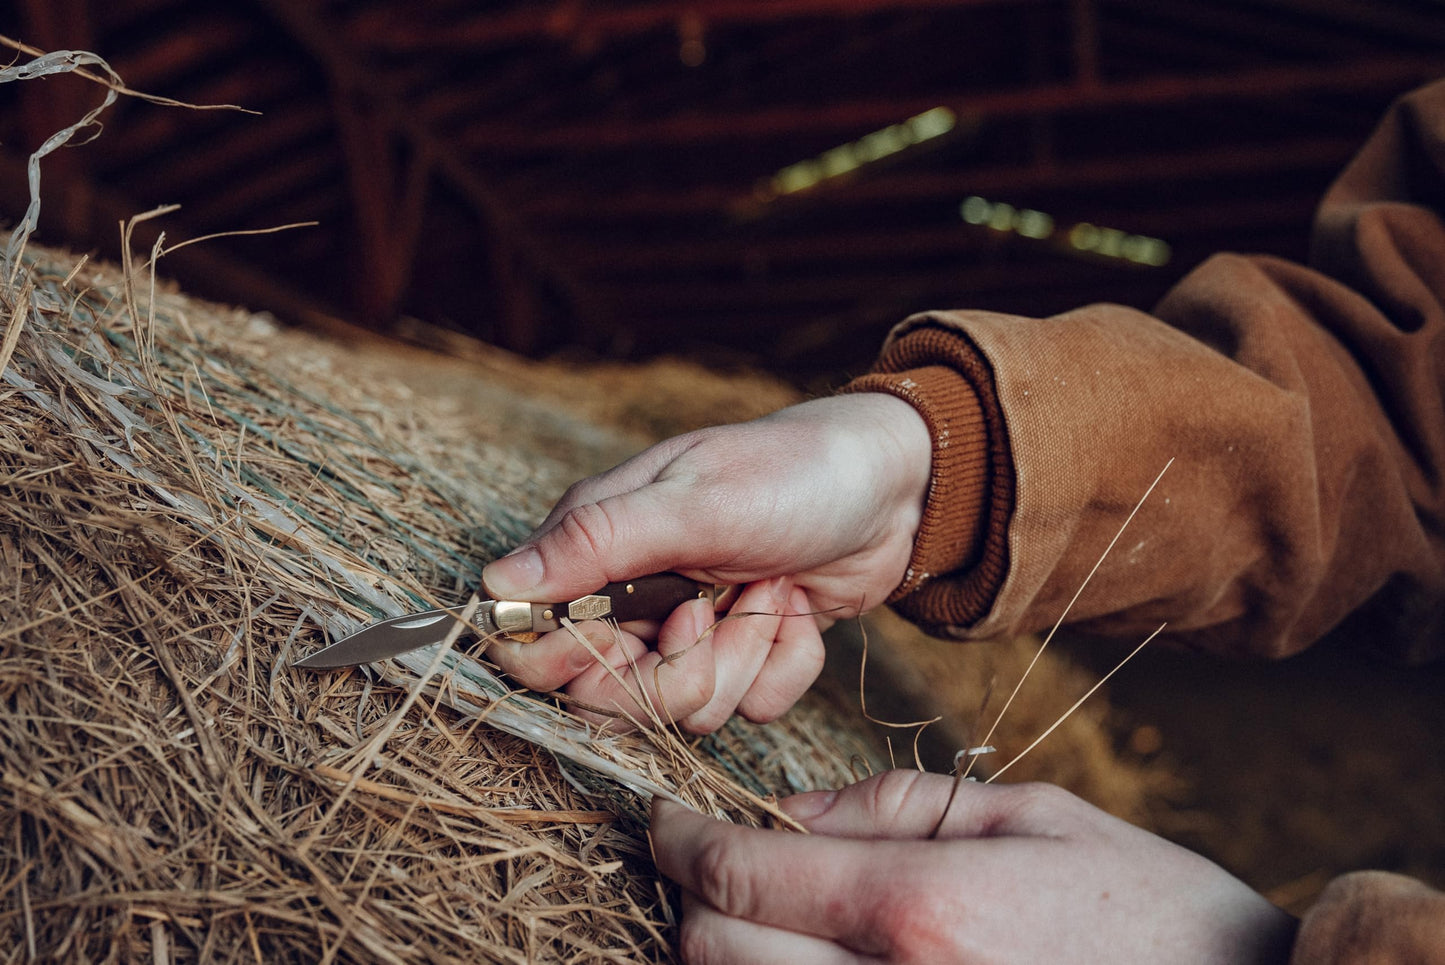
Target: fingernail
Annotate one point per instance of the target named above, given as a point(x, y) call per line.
point(515, 575)
point(806, 807)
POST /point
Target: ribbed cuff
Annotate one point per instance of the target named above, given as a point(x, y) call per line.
point(960, 556)
point(949, 532)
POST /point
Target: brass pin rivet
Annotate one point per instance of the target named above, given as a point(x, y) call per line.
point(631, 588)
point(546, 614)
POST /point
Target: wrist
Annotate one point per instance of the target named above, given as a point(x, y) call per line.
point(899, 441)
point(955, 489)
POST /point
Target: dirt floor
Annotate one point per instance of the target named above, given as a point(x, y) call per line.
point(1298, 770)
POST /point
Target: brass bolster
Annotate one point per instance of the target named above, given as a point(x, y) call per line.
point(511, 617)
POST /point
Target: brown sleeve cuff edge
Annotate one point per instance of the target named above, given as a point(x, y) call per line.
point(960, 555)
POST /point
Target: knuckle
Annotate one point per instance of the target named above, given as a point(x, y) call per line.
point(761, 709)
point(699, 942)
point(705, 721)
point(536, 678)
point(890, 793)
point(721, 878)
point(1039, 804)
point(778, 689)
point(698, 690)
point(766, 701)
point(576, 495)
point(532, 673)
point(810, 659)
point(588, 527)
point(914, 925)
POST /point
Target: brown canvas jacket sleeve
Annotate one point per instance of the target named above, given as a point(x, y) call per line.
point(1373, 918)
point(1303, 409)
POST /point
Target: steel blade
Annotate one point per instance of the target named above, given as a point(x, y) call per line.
point(388, 638)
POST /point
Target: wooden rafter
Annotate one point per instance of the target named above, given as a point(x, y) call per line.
point(854, 117)
point(251, 197)
point(256, 140)
point(224, 276)
point(395, 31)
point(1001, 182)
point(135, 138)
point(1419, 21)
point(737, 302)
point(902, 245)
point(346, 67)
point(177, 52)
point(1251, 25)
point(387, 205)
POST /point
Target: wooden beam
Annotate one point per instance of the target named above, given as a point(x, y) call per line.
point(773, 260)
point(256, 140)
point(818, 292)
point(1404, 22)
point(247, 203)
point(177, 51)
point(329, 204)
point(209, 274)
point(852, 118)
point(397, 30)
point(388, 213)
point(1003, 183)
point(1084, 22)
point(134, 136)
point(348, 71)
point(1227, 28)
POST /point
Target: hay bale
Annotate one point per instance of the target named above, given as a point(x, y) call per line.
point(189, 495)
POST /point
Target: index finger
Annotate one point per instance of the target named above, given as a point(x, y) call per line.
point(826, 887)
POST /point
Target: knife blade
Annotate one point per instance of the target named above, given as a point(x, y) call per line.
point(645, 598)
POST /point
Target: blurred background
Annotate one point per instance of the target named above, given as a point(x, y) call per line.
point(768, 183)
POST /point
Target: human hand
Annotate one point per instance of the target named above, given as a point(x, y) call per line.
point(811, 510)
point(1018, 873)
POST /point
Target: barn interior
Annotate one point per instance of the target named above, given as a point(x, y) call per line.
point(763, 182)
point(767, 186)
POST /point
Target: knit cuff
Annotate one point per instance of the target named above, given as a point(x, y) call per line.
point(960, 556)
point(949, 532)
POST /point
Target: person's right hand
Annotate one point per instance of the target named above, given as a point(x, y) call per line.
point(811, 510)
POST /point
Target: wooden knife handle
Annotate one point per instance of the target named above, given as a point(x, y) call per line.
point(653, 597)
point(645, 598)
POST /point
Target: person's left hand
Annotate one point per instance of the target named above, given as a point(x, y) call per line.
point(1018, 873)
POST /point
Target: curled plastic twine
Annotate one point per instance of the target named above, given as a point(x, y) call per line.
point(55, 62)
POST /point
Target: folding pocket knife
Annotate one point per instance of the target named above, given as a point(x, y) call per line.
point(645, 598)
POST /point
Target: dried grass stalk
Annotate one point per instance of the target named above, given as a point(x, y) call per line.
point(188, 497)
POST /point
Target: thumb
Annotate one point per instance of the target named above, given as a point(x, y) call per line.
point(913, 805)
point(646, 530)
